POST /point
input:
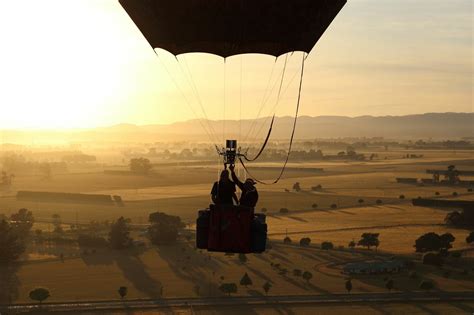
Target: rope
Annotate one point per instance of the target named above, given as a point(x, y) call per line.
point(278, 97)
point(292, 134)
point(254, 124)
point(264, 143)
point(263, 100)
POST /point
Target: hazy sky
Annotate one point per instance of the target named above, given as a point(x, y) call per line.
point(82, 63)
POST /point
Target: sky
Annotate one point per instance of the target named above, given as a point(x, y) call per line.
point(83, 63)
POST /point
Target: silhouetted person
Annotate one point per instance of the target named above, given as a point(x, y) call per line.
point(249, 195)
point(223, 191)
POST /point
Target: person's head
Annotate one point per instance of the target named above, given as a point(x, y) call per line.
point(224, 175)
point(249, 184)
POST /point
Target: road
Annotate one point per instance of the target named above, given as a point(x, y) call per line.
point(400, 297)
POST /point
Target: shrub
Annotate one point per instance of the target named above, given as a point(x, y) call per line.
point(314, 205)
point(361, 200)
point(401, 197)
point(284, 210)
point(297, 272)
point(307, 276)
point(437, 193)
point(413, 275)
point(287, 240)
point(469, 189)
point(431, 258)
point(455, 194)
point(39, 294)
point(334, 206)
point(316, 188)
point(264, 210)
point(327, 245)
point(378, 201)
point(305, 241)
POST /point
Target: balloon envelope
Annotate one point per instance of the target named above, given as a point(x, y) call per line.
point(232, 27)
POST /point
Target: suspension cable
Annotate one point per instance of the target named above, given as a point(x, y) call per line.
point(277, 100)
point(291, 138)
point(184, 96)
point(264, 97)
point(264, 102)
point(198, 96)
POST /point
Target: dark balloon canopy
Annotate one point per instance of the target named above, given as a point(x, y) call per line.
point(232, 27)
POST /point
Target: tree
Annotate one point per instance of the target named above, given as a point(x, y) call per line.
point(349, 285)
point(266, 287)
point(369, 239)
point(454, 218)
point(57, 223)
point(426, 285)
point(11, 245)
point(284, 210)
point(327, 245)
point(246, 281)
point(122, 291)
point(228, 288)
point(389, 284)
point(242, 258)
point(433, 242)
point(470, 238)
point(307, 276)
point(446, 240)
point(305, 241)
point(140, 166)
point(297, 187)
point(119, 235)
point(164, 228)
point(39, 294)
point(22, 222)
point(352, 245)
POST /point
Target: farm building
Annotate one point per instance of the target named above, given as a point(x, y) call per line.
point(373, 267)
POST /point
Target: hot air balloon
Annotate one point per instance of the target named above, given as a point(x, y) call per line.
point(227, 28)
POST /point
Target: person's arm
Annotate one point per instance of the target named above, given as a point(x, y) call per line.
point(236, 199)
point(235, 179)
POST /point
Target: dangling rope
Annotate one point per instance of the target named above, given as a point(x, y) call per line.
point(278, 97)
point(264, 143)
point(291, 138)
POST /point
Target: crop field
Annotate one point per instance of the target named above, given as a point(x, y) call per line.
point(354, 198)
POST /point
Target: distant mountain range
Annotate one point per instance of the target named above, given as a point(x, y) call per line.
point(423, 126)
